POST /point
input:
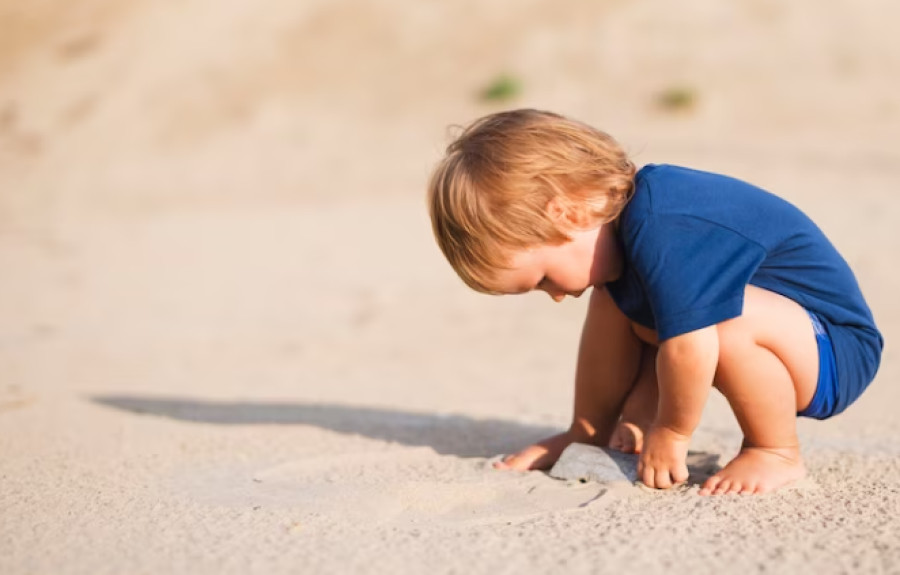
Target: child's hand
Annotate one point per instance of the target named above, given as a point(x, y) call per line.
point(662, 462)
point(541, 455)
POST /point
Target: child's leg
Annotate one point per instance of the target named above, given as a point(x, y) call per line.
point(768, 367)
point(609, 360)
point(640, 406)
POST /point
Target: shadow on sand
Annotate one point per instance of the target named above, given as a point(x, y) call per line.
point(446, 434)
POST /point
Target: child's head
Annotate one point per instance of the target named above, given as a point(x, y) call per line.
point(520, 179)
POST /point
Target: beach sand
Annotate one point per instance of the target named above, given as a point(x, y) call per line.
point(228, 343)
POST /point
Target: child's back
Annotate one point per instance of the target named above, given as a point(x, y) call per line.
point(694, 240)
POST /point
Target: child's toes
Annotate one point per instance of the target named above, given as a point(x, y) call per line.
point(762, 488)
point(736, 487)
point(624, 438)
point(710, 486)
point(723, 487)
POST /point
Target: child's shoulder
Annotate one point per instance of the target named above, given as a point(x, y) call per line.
point(682, 200)
point(668, 176)
point(670, 189)
point(666, 189)
point(667, 171)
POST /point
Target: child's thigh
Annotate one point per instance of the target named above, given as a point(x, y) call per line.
point(772, 323)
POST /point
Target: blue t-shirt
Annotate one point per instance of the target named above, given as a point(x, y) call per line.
point(693, 241)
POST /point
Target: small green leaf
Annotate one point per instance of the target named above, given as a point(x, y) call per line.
point(677, 98)
point(503, 87)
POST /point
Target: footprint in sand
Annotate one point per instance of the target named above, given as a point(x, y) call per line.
point(402, 487)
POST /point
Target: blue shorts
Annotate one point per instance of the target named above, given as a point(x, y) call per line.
point(825, 400)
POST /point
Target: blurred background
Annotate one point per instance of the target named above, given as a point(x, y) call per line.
point(224, 198)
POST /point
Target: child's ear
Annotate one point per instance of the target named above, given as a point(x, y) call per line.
point(566, 215)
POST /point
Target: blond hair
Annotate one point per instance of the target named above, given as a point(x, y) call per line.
point(490, 193)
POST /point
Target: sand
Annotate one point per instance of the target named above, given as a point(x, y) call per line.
point(228, 343)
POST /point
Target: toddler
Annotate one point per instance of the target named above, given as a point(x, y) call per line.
point(699, 281)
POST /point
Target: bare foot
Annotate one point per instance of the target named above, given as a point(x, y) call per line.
point(757, 470)
point(628, 437)
point(542, 455)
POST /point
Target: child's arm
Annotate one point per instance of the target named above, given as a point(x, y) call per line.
point(609, 358)
point(685, 367)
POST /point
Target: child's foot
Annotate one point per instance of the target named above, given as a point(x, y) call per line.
point(639, 410)
point(628, 437)
point(757, 470)
point(542, 455)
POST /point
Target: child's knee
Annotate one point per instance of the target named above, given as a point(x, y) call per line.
point(735, 341)
point(772, 328)
point(767, 320)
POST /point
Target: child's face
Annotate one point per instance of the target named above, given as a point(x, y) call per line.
point(592, 257)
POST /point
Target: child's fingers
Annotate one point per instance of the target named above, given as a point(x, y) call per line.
point(506, 462)
point(663, 479)
point(517, 462)
point(681, 473)
point(648, 476)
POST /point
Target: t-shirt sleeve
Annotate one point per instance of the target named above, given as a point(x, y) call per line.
point(694, 272)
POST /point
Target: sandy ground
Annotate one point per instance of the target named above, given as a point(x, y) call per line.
point(229, 345)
